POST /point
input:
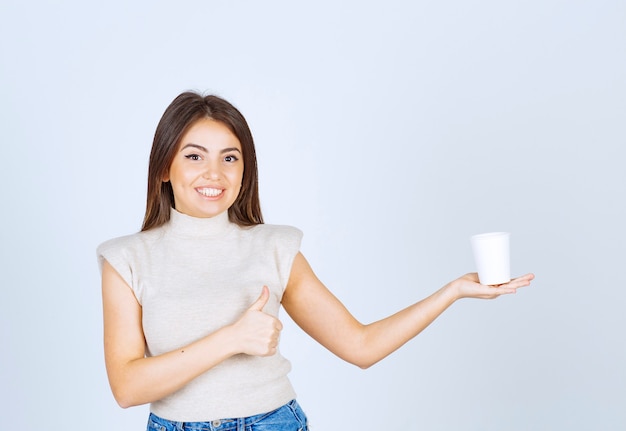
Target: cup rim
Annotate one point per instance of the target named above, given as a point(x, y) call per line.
point(490, 234)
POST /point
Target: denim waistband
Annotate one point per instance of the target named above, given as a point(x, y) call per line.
point(288, 417)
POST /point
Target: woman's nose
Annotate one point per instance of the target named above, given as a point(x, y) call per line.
point(212, 171)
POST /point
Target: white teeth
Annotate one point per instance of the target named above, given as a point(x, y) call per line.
point(210, 192)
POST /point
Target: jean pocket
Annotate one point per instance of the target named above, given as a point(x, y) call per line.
point(289, 417)
point(299, 415)
point(155, 423)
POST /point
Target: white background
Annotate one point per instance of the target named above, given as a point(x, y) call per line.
point(389, 132)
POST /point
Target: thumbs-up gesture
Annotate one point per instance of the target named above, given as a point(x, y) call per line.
point(258, 332)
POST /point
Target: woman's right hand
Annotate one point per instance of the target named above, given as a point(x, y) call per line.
point(257, 332)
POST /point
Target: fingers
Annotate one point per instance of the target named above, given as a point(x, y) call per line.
point(258, 331)
point(529, 277)
point(260, 303)
point(267, 337)
point(522, 281)
point(512, 286)
point(469, 286)
point(272, 346)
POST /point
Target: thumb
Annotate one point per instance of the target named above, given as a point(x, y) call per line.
point(260, 303)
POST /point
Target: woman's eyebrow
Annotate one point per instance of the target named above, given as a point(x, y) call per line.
point(200, 147)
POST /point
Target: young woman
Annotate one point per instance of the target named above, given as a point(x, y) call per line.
point(191, 301)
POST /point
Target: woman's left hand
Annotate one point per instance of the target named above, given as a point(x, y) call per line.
point(469, 286)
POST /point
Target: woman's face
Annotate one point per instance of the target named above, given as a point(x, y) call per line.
point(207, 170)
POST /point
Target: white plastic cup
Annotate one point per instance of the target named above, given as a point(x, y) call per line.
point(492, 257)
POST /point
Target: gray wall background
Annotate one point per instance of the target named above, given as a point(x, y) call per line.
point(389, 132)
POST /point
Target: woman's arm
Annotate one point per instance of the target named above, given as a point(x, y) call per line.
point(135, 379)
point(320, 314)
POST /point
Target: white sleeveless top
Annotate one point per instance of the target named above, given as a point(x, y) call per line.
point(193, 276)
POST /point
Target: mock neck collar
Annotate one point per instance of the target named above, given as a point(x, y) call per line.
point(183, 224)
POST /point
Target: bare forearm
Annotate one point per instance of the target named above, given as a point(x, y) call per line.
point(321, 315)
point(136, 380)
point(145, 380)
point(381, 338)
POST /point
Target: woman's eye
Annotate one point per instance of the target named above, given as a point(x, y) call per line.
point(194, 157)
point(231, 158)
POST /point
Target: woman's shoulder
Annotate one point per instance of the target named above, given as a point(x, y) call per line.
point(275, 231)
point(274, 236)
point(127, 242)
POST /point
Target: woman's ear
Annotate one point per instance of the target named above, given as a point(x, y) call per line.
point(166, 176)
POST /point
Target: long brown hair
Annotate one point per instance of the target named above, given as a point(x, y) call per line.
point(183, 112)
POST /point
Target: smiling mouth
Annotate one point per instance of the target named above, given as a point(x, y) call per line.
point(209, 192)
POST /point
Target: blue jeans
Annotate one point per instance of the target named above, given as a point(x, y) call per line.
point(289, 417)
